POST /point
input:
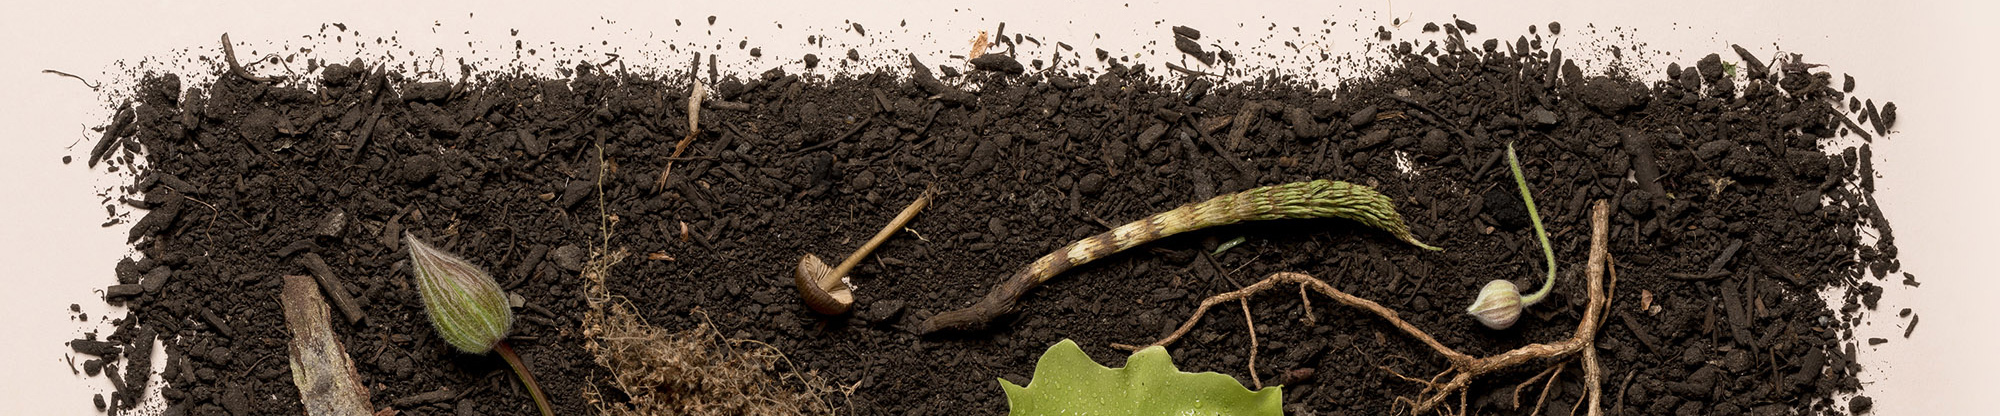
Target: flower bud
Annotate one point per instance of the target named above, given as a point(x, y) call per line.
point(464, 303)
point(1498, 305)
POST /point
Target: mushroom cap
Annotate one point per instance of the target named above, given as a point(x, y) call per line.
point(824, 292)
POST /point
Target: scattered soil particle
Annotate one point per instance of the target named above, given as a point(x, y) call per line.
point(1187, 32)
point(998, 63)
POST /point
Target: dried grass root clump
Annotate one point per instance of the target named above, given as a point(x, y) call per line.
point(692, 372)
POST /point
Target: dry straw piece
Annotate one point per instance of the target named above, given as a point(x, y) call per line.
point(693, 372)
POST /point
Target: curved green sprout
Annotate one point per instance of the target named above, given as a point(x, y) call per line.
point(1499, 303)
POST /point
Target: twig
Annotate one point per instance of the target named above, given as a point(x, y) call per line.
point(695, 97)
point(1189, 72)
point(1242, 168)
point(843, 136)
point(229, 56)
point(335, 288)
point(1698, 277)
point(1440, 120)
point(85, 82)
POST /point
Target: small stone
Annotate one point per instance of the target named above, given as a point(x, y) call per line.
point(881, 312)
point(1638, 203)
point(1860, 405)
point(569, 257)
point(418, 169)
point(1542, 116)
point(332, 224)
point(1091, 184)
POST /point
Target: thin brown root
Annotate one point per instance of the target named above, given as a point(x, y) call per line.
point(1620, 407)
point(1317, 287)
point(1550, 385)
point(1310, 320)
point(86, 83)
point(1573, 407)
point(1593, 373)
point(1531, 380)
point(1252, 325)
point(1430, 383)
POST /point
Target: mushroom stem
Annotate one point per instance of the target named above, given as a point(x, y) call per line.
point(902, 219)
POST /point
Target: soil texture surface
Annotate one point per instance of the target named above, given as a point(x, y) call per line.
point(1741, 193)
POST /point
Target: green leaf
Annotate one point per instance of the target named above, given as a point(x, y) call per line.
point(1067, 382)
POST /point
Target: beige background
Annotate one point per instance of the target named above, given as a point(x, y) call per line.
point(1932, 59)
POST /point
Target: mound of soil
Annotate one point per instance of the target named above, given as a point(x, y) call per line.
point(1732, 217)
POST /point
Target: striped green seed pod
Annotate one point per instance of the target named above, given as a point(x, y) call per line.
point(464, 303)
point(1298, 200)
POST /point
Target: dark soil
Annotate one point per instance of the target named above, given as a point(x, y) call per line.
point(1737, 220)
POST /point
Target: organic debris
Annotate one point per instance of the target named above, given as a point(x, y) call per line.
point(693, 372)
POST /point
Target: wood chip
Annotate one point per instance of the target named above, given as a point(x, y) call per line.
point(327, 382)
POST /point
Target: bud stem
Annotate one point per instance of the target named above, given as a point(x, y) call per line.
point(1536, 219)
point(521, 370)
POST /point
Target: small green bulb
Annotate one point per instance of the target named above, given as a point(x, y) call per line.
point(464, 303)
point(1498, 305)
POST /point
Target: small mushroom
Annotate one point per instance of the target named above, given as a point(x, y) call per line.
point(826, 290)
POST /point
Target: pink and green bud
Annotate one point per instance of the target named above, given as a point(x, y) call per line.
point(465, 304)
point(1498, 305)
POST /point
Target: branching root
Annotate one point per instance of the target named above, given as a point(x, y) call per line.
point(1463, 368)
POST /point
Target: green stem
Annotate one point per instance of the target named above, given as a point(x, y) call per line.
point(1535, 218)
point(521, 370)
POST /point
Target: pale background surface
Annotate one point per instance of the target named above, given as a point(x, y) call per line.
point(1931, 58)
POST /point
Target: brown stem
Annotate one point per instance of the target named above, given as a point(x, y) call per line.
point(902, 219)
point(528, 379)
